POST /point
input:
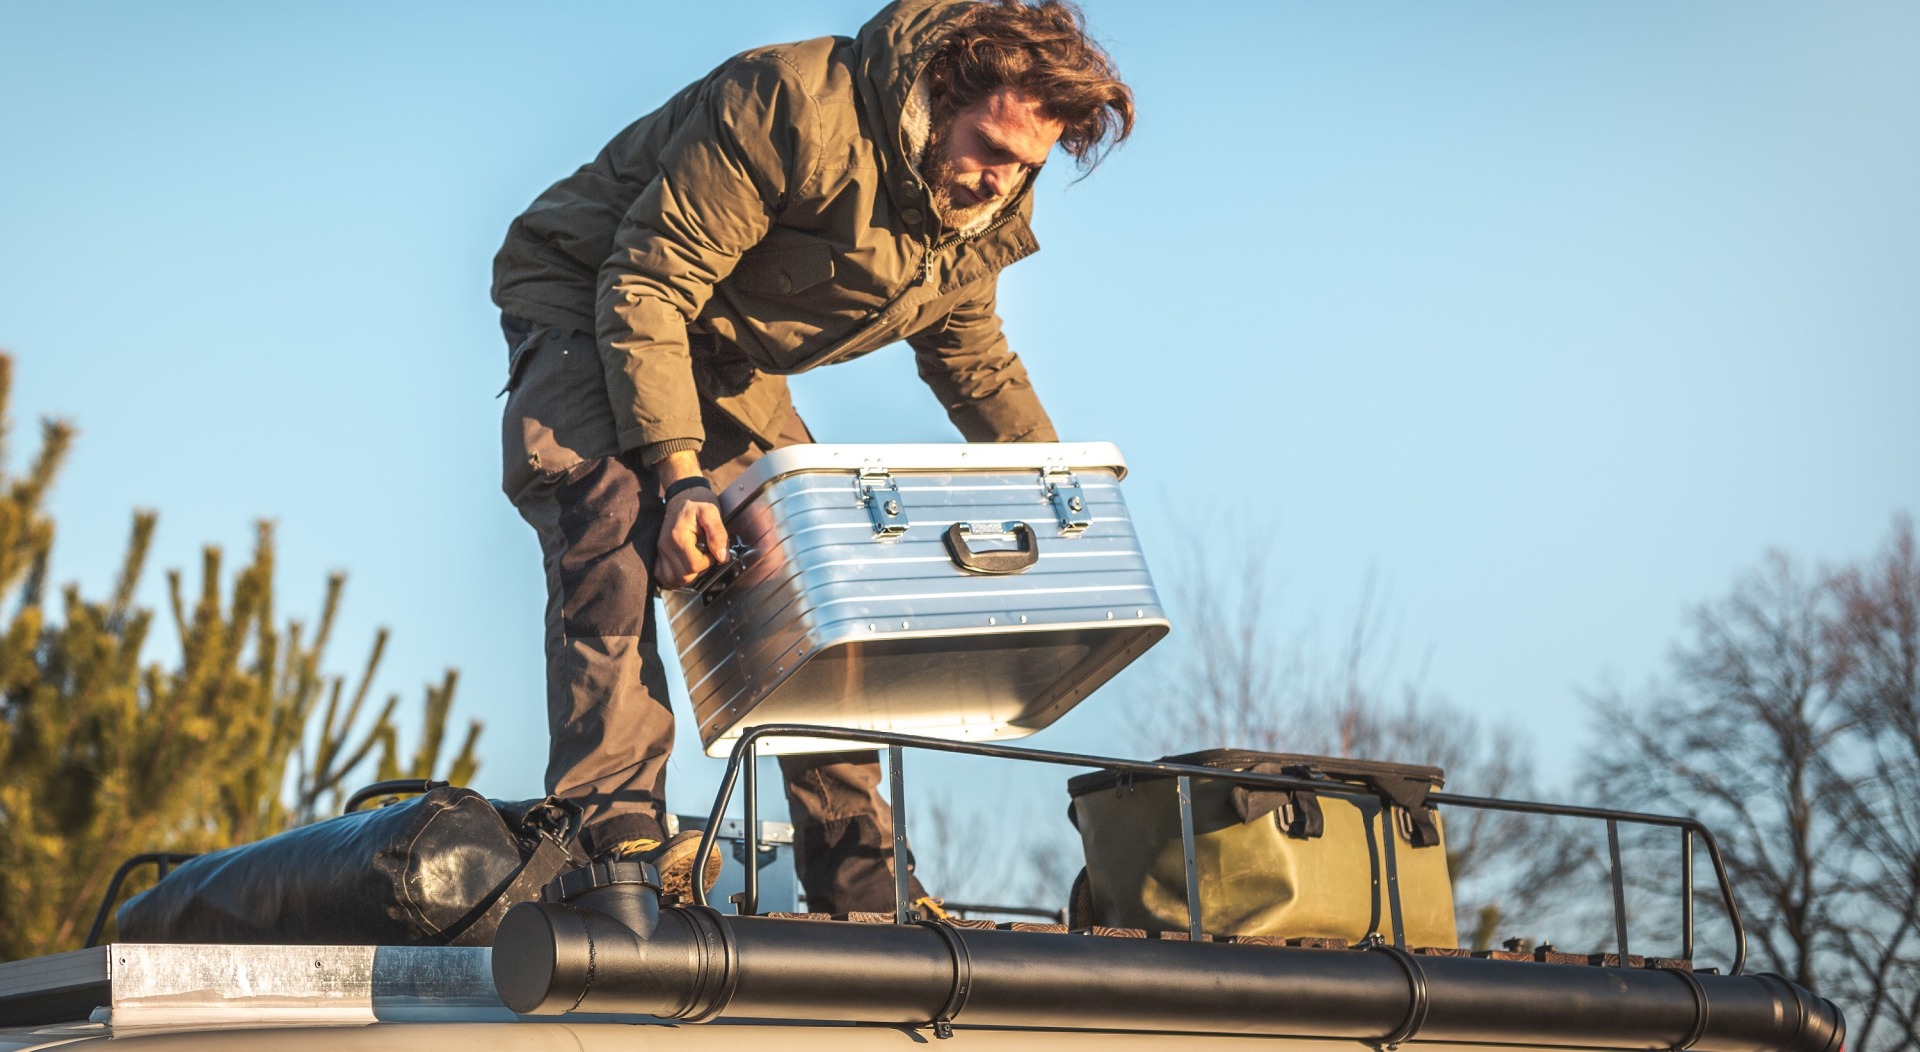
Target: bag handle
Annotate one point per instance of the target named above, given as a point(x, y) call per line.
point(1299, 808)
point(1408, 793)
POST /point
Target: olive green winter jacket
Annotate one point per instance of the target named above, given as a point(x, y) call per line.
point(774, 209)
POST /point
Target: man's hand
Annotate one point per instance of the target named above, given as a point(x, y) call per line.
point(693, 537)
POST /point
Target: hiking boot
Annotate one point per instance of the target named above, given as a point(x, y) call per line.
point(674, 861)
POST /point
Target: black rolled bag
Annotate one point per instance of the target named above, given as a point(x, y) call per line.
point(439, 869)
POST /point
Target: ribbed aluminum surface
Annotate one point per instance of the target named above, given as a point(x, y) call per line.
point(831, 623)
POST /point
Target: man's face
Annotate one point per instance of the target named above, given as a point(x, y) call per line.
point(979, 157)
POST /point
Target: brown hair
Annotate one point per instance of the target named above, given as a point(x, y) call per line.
point(1039, 49)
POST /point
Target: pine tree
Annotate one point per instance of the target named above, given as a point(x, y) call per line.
point(105, 755)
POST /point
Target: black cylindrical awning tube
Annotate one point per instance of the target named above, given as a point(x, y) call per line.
point(1548, 1003)
point(700, 964)
point(1632, 1007)
point(881, 973)
point(1036, 979)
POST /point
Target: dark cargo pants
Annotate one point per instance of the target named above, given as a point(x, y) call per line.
point(598, 514)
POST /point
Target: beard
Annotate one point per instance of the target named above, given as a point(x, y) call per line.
point(947, 188)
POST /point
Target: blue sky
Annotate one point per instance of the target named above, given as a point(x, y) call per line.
point(1548, 318)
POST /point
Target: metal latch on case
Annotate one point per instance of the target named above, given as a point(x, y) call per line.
point(881, 495)
point(1062, 490)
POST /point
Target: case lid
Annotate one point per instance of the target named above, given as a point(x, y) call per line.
point(921, 457)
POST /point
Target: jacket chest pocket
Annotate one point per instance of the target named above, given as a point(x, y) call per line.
point(783, 271)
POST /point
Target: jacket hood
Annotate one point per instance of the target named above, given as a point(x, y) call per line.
point(894, 47)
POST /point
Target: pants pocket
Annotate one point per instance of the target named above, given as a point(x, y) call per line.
point(517, 359)
point(557, 415)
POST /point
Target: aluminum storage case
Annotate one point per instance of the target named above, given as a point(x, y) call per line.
point(972, 592)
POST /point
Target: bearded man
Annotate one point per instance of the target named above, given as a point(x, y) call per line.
point(803, 204)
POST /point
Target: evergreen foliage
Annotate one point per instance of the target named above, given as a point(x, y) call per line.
point(103, 756)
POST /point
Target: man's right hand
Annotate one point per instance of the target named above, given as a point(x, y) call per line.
point(692, 523)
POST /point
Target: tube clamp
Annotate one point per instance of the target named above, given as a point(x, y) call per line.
point(1417, 990)
point(1699, 1029)
point(962, 977)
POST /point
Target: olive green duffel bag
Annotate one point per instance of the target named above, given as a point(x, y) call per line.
point(1288, 863)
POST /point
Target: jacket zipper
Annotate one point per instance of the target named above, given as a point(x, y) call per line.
point(934, 249)
point(833, 354)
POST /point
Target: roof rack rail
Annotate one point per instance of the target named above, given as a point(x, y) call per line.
point(741, 769)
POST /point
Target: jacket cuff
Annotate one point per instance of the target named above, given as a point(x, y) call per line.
point(1012, 415)
point(658, 451)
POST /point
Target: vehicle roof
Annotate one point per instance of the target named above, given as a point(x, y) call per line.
point(526, 1036)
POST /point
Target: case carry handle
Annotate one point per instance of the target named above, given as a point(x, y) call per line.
point(714, 579)
point(994, 563)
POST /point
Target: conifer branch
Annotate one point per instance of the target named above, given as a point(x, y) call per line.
point(103, 754)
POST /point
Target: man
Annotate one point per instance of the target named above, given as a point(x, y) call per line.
point(801, 205)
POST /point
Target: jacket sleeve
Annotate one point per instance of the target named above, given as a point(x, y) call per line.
point(722, 176)
point(982, 384)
